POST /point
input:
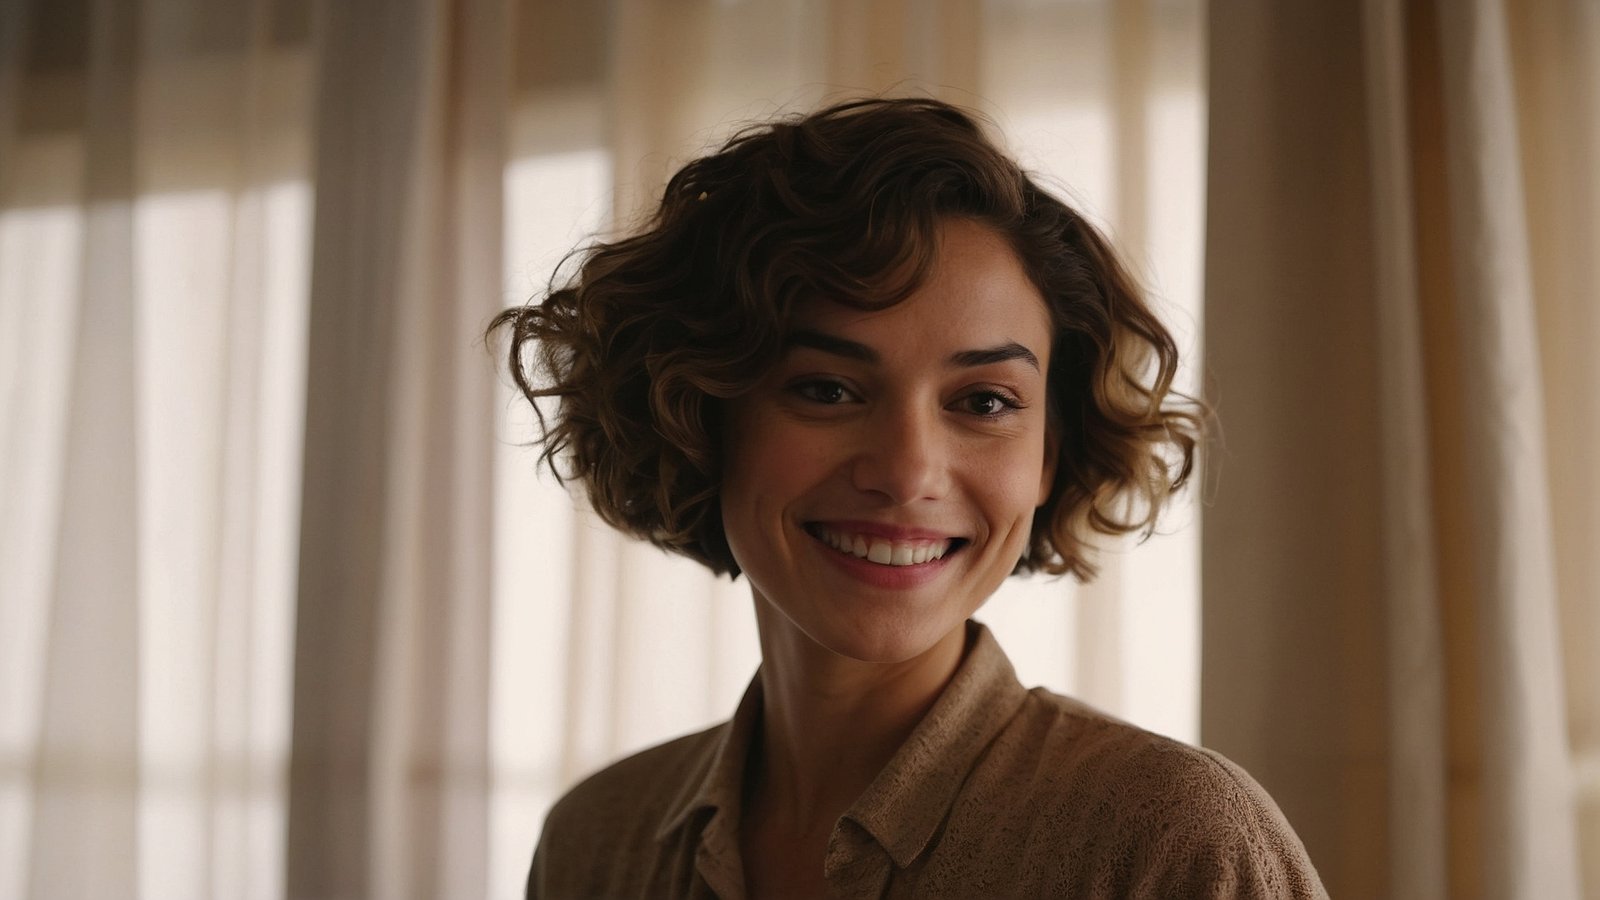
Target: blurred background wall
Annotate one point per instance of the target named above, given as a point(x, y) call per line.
point(286, 610)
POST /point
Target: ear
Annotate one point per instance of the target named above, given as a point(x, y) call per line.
point(1052, 454)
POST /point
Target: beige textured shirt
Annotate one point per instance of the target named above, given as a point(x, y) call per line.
point(999, 792)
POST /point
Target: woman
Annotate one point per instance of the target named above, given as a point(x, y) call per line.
point(862, 360)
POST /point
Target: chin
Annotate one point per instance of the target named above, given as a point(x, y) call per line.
point(883, 636)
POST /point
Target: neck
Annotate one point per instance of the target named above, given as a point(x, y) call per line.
point(830, 724)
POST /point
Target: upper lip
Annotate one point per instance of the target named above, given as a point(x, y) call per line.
point(883, 530)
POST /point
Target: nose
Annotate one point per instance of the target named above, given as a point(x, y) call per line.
point(901, 455)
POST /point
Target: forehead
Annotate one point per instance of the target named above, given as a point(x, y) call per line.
point(976, 293)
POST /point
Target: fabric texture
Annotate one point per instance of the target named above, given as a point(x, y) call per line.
point(1000, 791)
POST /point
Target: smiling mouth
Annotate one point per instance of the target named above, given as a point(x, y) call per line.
point(884, 552)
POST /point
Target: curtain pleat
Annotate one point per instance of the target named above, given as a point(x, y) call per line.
point(1504, 543)
point(86, 773)
point(389, 776)
point(1416, 692)
point(1556, 57)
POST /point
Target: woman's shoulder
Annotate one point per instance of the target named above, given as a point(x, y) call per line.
point(620, 809)
point(1091, 749)
point(635, 790)
point(1118, 804)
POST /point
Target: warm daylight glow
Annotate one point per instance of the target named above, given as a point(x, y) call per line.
point(218, 305)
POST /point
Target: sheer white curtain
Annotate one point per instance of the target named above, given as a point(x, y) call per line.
point(246, 245)
point(622, 646)
point(154, 248)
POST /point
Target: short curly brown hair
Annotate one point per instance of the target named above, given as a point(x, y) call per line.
point(656, 331)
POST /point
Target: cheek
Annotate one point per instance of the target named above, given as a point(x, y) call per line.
point(1047, 470)
point(762, 455)
point(1010, 484)
point(766, 468)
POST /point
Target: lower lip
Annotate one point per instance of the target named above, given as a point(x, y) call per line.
point(890, 577)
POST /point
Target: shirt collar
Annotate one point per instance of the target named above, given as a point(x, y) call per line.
point(721, 787)
point(903, 806)
point(905, 803)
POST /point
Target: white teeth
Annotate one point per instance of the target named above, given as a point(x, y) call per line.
point(885, 553)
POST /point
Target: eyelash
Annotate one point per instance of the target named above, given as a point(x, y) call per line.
point(1008, 403)
point(809, 390)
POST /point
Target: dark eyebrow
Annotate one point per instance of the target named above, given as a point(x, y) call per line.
point(849, 349)
point(1003, 353)
point(827, 343)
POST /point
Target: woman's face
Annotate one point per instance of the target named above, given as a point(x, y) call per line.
point(881, 481)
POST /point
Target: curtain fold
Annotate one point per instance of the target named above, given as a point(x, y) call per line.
point(390, 771)
point(85, 816)
point(1388, 657)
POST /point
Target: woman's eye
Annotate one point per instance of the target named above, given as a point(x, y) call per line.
point(988, 404)
point(823, 391)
